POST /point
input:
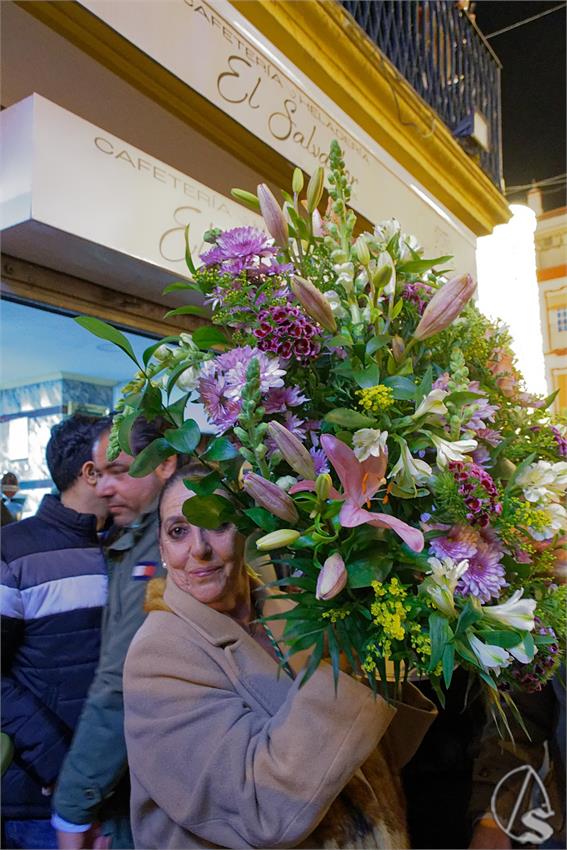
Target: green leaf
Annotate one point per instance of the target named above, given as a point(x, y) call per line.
point(220, 449)
point(376, 343)
point(374, 566)
point(314, 660)
point(176, 410)
point(185, 439)
point(440, 633)
point(188, 258)
point(262, 518)
point(151, 403)
point(466, 652)
point(368, 377)
point(189, 310)
point(419, 266)
point(209, 336)
point(425, 386)
point(106, 331)
point(344, 417)
point(150, 458)
point(520, 469)
point(180, 284)
point(462, 397)
point(203, 486)
point(467, 617)
point(448, 663)
point(149, 352)
point(503, 638)
point(209, 511)
point(124, 430)
point(404, 389)
point(397, 309)
point(548, 400)
point(334, 653)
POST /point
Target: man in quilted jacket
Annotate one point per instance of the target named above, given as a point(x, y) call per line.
point(54, 587)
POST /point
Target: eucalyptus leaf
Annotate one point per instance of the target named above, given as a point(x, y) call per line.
point(184, 439)
point(150, 458)
point(208, 511)
point(107, 332)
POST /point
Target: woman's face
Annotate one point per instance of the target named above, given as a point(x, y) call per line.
point(207, 564)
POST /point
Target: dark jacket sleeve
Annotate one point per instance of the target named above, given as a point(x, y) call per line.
point(97, 758)
point(40, 738)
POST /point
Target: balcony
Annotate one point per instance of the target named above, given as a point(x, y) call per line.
point(443, 55)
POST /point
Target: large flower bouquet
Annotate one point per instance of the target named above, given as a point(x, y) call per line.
point(373, 435)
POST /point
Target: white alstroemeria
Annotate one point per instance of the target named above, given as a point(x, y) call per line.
point(559, 484)
point(517, 613)
point(369, 441)
point(448, 451)
point(384, 230)
point(188, 379)
point(521, 654)
point(345, 276)
point(441, 594)
point(535, 481)
point(556, 521)
point(384, 261)
point(410, 467)
point(447, 570)
point(408, 246)
point(334, 300)
point(489, 655)
point(432, 403)
point(285, 482)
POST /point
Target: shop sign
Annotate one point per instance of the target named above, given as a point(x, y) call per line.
point(79, 181)
point(211, 48)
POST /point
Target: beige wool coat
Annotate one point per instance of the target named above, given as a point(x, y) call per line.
point(224, 752)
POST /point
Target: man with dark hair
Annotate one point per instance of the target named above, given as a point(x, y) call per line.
point(92, 797)
point(54, 585)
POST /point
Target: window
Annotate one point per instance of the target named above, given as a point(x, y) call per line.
point(561, 319)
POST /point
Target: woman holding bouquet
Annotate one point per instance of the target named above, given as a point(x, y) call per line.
point(225, 749)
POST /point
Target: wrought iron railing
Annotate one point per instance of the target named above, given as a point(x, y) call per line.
point(444, 56)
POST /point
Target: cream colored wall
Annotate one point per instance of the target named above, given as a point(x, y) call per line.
point(551, 254)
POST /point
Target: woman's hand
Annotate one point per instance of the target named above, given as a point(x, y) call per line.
point(487, 835)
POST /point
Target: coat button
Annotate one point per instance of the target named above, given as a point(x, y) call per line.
point(91, 794)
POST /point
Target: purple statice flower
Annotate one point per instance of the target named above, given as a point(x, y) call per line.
point(320, 461)
point(485, 576)
point(561, 440)
point(288, 332)
point(222, 379)
point(418, 294)
point(245, 249)
point(279, 400)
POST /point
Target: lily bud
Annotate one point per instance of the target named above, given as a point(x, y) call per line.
point(274, 218)
point(445, 306)
point(332, 578)
point(361, 251)
point(246, 198)
point(268, 495)
point(277, 539)
point(315, 189)
point(313, 302)
point(398, 348)
point(323, 484)
point(297, 180)
point(292, 450)
point(317, 224)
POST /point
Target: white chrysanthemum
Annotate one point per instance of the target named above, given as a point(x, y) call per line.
point(556, 516)
point(535, 481)
point(367, 442)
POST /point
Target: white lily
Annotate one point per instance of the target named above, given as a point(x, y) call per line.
point(408, 246)
point(521, 654)
point(448, 451)
point(386, 229)
point(188, 379)
point(368, 442)
point(410, 467)
point(517, 613)
point(441, 594)
point(432, 403)
point(334, 300)
point(489, 655)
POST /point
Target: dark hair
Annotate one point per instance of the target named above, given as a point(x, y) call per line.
point(70, 447)
point(10, 479)
point(145, 432)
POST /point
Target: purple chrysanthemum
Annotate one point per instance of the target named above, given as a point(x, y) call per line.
point(279, 400)
point(245, 249)
point(320, 461)
point(222, 380)
point(485, 576)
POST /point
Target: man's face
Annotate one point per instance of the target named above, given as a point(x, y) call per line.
point(127, 497)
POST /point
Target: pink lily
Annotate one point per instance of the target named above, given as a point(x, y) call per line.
point(360, 482)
